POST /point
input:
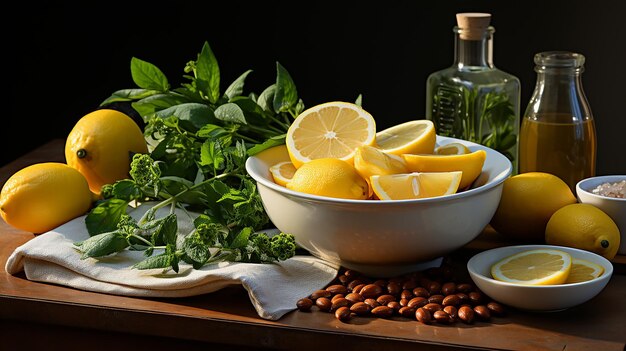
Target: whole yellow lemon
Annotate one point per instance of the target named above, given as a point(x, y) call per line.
point(330, 177)
point(528, 201)
point(585, 227)
point(42, 196)
point(101, 145)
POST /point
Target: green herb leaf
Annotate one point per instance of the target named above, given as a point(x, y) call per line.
point(230, 112)
point(128, 95)
point(236, 87)
point(241, 240)
point(286, 94)
point(105, 216)
point(271, 142)
point(196, 251)
point(102, 244)
point(163, 260)
point(165, 232)
point(359, 100)
point(148, 76)
point(266, 99)
point(211, 155)
point(208, 74)
point(158, 102)
point(125, 189)
point(197, 114)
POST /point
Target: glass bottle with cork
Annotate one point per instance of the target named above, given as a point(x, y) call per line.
point(558, 134)
point(473, 100)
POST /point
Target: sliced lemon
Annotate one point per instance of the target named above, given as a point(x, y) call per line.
point(415, 185)
point(583, 270)
point(412, 137)
point(282, 172)
point(370, 161)
point(470, 164)
point(534, 267)
point(453, 148)
point(329, 130)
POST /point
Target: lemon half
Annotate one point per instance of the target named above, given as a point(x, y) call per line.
point(329, 130)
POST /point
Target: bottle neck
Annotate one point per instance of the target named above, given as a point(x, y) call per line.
point(474, 51)
point(559, 92)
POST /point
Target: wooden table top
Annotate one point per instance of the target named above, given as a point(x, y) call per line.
point(227, 317)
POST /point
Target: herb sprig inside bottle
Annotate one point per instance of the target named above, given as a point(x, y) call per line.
point(473, 100)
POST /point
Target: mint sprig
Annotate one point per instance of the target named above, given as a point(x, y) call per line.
point(199, 138)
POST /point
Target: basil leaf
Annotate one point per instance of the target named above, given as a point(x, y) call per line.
point(104, 217)
point(208, 74)
point(286, 95)
point(157, 102)
point(266, 99)
point(271, 142)
point(128, 95)
point(230, 112)
point(236, 88)
point(148, 76)
point(197, 114)
point(211, 131)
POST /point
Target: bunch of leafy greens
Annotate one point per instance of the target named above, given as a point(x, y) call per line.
point(199, 139)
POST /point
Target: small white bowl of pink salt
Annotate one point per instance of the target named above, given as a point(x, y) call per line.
point(608, 193)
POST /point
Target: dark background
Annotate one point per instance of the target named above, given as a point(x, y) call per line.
point(63, 59)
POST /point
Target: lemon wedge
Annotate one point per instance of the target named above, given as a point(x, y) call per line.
point(470, 164)
point(534, 267)
point(412, 137)
point(453, 148)
point(369, 161)
point(415, 185)
point(282, 172)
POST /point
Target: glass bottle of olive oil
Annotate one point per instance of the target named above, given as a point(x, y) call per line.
point(558, 132)
point(473, 100)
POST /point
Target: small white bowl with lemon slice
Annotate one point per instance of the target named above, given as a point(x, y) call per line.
point(546, 293)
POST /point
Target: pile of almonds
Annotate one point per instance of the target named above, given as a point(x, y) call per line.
point(430, 296)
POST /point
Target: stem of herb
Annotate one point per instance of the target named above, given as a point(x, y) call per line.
point(140, 238)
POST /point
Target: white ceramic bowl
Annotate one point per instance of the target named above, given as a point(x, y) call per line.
point(614, 207)
point(382, 238)
point(536, 298)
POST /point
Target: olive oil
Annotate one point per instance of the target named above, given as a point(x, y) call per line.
point(558, 133)
point(565, 149)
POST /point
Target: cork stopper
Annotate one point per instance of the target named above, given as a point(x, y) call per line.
point(472, 24)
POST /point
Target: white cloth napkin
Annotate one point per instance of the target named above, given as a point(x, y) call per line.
point(273, 288)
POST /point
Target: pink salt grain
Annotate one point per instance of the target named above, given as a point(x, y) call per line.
point(616, 189)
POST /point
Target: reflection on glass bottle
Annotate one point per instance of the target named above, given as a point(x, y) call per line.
point(558, 133)
point(473, 100)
